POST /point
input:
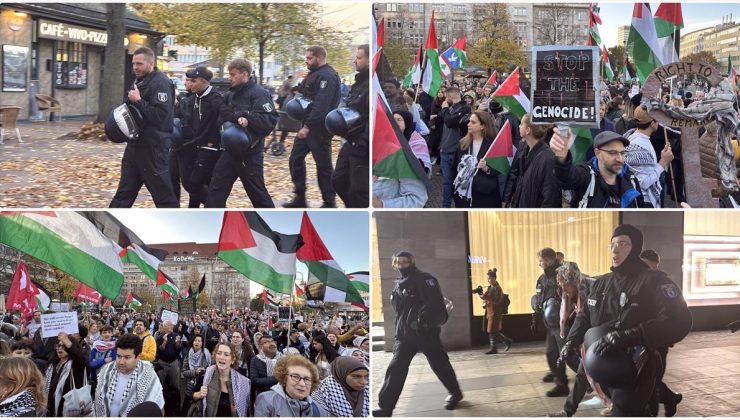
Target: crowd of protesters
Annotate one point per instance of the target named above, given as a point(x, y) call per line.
point(451, 133)
point(237, 363)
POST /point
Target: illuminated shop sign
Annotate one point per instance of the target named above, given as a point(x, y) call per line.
point(72, 33)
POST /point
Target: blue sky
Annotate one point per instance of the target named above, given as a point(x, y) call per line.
point(345, 233)
point(695, 16)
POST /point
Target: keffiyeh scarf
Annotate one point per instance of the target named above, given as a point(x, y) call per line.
point(60, 384)
point(142, 379)
point(270, 363)
point(18, 405)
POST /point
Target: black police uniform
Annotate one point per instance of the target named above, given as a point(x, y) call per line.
point(547, 288)
point(420, 312)
point(182, 152)
point(634, 296)
point(321, 86)
point(254, 103)
point(145, 160)
point(351, 175)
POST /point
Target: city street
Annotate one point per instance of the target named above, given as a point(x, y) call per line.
point(54, 167)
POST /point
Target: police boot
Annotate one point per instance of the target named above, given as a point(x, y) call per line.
point(560, 390)
point(670, 407)
point(381, 413)
point(561, 413)
point(453, 400)
point(493, 349)
point(548, 378)
point(329, 204)
point(298, 202)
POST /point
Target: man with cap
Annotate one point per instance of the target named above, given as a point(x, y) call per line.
point(641, 310)
point(206, 107)
point(642, 160)
point(145, 160)
point(420, 313)
point(604, 181)
point(321, 86)
point(251, 107)
point(351, 176)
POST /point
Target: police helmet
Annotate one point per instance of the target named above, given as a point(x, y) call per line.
point(534, 301)
point(551, 310)
point(340, 121)
point(615, 369)
point(298, 108)
point(235, 140)
point(123, 124)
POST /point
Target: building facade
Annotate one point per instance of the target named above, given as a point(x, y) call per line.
point(623, 33)
point(720, 40)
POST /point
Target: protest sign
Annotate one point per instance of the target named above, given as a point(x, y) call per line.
point(53, 324)
point(284, 313)
point(167, 315)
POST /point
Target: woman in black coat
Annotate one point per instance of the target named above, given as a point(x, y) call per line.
point(485, 189)
point(67, 364)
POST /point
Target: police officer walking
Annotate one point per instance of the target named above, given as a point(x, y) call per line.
point(350, 179)
point(182, 152)
point(321, 86)
point(641, 311)
point(546, 301)
point(420, 312)
point(145, 160)
point(251, 107)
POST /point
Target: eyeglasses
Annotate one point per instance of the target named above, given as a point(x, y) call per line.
point(298, 378)
point(614, 153)
point(620, 244)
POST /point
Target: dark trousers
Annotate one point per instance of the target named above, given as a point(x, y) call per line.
point(580, 386)
point(398, 369)
point(665, 394)
point(553, 344)
point(145, 165)
point(319, 145)
point(251, 173)
point(200, 177)
point(640, 400)
point(186, 158)
point(175, 173)
point(351, 178)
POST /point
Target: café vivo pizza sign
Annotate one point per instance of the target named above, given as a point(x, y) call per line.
point(565, 85)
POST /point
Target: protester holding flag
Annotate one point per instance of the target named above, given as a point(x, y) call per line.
point(483, 187)
point(533, 185)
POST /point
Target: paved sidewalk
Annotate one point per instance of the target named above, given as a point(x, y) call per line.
point(704, 367)
point(55, 168)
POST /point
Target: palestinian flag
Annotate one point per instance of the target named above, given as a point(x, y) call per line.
point(642, 42)
point(501, 152)
point(581, 141)
point(269, 298)
point(322, 265)
point(299, 291)
point(167, 286)
point(593, 19)
point(444, 66)
point(87, 294)
point(249, 245)
point(107, 304)
point(607, 65)
point(431, 76)
point(456, 55)
point(69, 242)
point(511, 96)
point(493, 80)
point(133, 300)
point(118, 232)
point(361, 281)
point(414, 74)
point(149, 265)
point(594, 38)
point(668, 22)
point(628, 71)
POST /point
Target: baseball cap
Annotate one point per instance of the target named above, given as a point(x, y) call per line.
point(642, 116)
point(200, 71)
point(607, 137)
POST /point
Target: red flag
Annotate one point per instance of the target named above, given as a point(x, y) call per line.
point(381, 33)
point(85, 293)
point(107, 303)
point(22, 293)
point(299, 291)
point(493, 80)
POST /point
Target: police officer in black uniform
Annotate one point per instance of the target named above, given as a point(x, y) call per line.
point(145, 160)
point(182, 152)
point(420, 312)
point(351, 179)
point(321, 86)
point(643, 310)
point(251, 107)
point(547, 289)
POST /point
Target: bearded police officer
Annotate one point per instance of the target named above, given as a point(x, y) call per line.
point(145, 160)
point(639, 310)
point(420, 312)
point(350, 179)
point(251, 107)
point(321, 86)
point(546, 310)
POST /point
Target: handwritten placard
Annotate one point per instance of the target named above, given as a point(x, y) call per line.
point(168, 315)
point(565, 85)
point(53, 324)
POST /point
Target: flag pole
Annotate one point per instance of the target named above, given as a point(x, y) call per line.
point(422, 67)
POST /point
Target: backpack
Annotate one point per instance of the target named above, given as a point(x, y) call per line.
point(505, 302)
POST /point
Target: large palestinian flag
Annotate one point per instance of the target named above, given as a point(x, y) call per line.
point(149, 265)
point(642, 43)
point(510, 95)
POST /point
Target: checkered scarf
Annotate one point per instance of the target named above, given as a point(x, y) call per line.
point(60, 384)
point(330, 395)
point(270, 363)
point(107, 380)
point(19, 405)
point(239, 384)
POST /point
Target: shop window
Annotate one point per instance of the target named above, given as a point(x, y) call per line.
point(70, 65)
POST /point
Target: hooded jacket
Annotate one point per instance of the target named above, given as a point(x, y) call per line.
point(579, 177)
point(276, 403)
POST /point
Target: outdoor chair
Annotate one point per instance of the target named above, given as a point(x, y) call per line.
point(9, 120)
point(50, 104)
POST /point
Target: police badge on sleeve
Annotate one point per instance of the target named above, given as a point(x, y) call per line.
point(323, 84)
point(267, 107)
point(162, 96)
point(670, 291)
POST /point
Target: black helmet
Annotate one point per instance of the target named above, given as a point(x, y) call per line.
point(534, 301)
point(123, 124)
point(340, 121)
point(235, 140)
point(614, 370)
point(298, 108)
point(551, 310)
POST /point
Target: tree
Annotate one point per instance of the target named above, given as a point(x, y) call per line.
point(551, 25)
point(257, 304)
point(704, 57)
point(115, 61)
point(202, 301)
point(616, 56)
point(398, 58)
point(497, 48)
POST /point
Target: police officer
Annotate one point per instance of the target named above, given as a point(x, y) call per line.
point(420, 312)
point(643, 309)
point(251, 107)
point(547, 289)
point(207, 104)
point(321, 86)
point(350, 179)
point(145, 160)
point(183, 152)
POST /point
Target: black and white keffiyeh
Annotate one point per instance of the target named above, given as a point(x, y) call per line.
point(142, 379)
point(60, 383)
point(21, 404)
point(270, 363)
point(331, 396)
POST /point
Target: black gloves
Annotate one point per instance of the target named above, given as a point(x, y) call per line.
point(618, 340)
point(536, 318)
point(569, 349)
point(734, 326)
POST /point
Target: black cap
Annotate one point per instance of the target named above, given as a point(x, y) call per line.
point(200, 71)
point(607, 137)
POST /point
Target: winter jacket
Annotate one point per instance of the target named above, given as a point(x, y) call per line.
point(258, 375)
point(454, 129)
point(321, 86)
point(419, 305)
point(157, 107)
point(358, 100)
point(532, 183)
point(485, 193)
point(276, 403)
point(254, 103)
